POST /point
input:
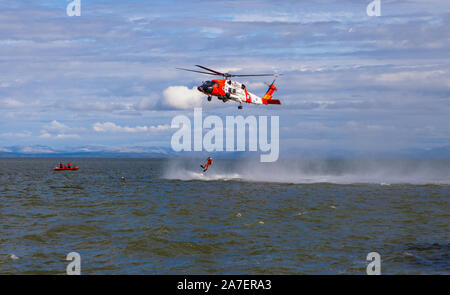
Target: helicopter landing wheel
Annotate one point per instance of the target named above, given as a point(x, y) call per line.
point(209, 98)
point(239, 107)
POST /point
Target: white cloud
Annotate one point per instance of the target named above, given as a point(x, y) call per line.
point(56, 126)
point(414, 77)
point(181, 97)
point(16, 134)
point(63, 136)
point(5, 150)
point(99, 106)
point(252, 86)
point(212, 31)
point(292, 17)
point(145, 104)
point(29, 149)
point(45, 134)
point(58, 130)
point(11, 103)
point(112, 127)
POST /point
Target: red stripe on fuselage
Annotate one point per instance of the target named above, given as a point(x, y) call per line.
point(248, 97)
point(219, 90)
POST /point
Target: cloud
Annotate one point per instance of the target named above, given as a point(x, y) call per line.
point(56, 126)
point(5, 150)
point(146, 104)
point(11, 103)
point(181, 97)
point(98, 106)
point(41, 150)
point(113, 128)
point(59, 130)
point(16, 134)
point(45, 134)
point(63, 136)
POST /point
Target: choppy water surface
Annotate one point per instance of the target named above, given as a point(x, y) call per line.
point(239, 218)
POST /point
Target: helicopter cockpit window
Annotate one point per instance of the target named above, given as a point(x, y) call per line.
point(208, 83)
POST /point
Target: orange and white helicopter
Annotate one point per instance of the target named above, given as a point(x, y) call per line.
point(225, 89)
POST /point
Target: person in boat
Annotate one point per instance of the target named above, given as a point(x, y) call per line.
point(68, 165)
point(208, 163)
point(61, 165)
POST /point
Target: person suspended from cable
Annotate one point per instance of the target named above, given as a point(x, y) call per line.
point(209, 161)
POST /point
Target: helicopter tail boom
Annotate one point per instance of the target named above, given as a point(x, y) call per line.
point(271, 101)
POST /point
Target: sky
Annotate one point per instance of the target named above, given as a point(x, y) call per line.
point(107, 78)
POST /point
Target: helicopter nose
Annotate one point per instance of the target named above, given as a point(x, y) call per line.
point(199, 88)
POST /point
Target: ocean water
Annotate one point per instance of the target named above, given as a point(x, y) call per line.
point(241, 217)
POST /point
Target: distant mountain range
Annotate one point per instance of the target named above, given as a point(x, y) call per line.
point(162, 152)
point(83, 151)
point(108, 152)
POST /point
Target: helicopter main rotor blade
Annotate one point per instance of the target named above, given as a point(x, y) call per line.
point(262, 75)
point(227, 75)
point(196, 71)
point(215, 72)
point(267, 75)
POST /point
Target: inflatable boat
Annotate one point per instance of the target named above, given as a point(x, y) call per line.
point(65, 168)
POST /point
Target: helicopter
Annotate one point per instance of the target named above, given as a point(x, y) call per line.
point(226, 89)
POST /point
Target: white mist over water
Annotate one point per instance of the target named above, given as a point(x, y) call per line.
point(298, 171)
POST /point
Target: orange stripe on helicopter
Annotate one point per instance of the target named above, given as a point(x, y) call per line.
point(267, 99)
